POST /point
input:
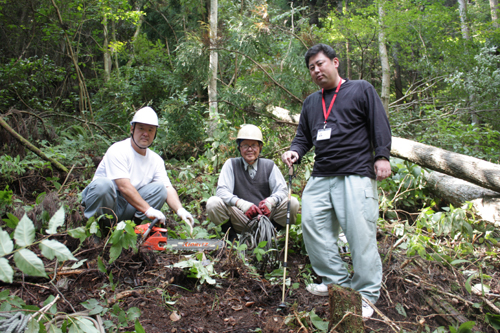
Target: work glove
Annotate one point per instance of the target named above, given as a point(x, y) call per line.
point(186, 217)
point(248, 208)
point(267, 205)
point(152, 214)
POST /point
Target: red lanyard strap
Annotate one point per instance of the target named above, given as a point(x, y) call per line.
point(326, 114)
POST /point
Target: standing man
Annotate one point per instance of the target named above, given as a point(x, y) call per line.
point(131, 180)
point(248, 186)
point(346, 123)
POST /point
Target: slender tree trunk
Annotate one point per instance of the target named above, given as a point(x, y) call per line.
point(107, 56)
point(212, 85)
point(494, 13)
point(115, 53)
point(462, 8)
point(384, 59)
point(398, 84)
point(134, 39)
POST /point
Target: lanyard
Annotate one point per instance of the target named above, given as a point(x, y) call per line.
point(326, 114)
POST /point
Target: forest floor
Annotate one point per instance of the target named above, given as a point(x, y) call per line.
point(416, 296)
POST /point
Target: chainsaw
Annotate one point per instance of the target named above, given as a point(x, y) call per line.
point(155, 238)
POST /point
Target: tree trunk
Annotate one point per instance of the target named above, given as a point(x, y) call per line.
point(457, 191)
point(462, 8)
point(386, 78)
point(471, 169)
point(343, 301)
point(212, 85)
point(107, 56)
point(398, 85)
point(494, 13)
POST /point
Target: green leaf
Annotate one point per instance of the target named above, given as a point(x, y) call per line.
point(94, 306)
point(401, 310)
point(29, 263)
point(56, 221)
point(78, 264)
point(25, 232)
point(459, 261)
point(82, 325)
point(114, 252)
point(53, 308)
point(318, 322)
point(493, 320)
point(138, 327)
point(101, 266)
point(466, 327)
point(78, 233)
point(133, 313)
point(51, 248)
point(6, 244)
point(6, 272)
point(33, 327)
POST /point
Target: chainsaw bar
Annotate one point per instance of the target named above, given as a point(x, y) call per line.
point(195, 244)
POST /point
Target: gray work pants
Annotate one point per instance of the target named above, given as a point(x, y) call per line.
point(349, 202)
point(218, 212)
point(101, 197)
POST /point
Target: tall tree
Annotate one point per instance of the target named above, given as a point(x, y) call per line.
point(462, 8)
point(212, 85)
point(384, 59)
point(494, 13)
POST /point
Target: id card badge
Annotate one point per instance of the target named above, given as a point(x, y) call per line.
point(324, 134)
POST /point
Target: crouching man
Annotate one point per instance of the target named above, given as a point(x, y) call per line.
point(248, 186)
point(131, 181)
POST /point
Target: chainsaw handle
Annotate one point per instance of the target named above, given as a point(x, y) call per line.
point(145, 235)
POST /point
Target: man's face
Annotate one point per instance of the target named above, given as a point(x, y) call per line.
point(250, 150)
point(143, 134)
point(324, 71)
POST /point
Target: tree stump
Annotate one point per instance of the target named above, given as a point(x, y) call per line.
point(341, 301)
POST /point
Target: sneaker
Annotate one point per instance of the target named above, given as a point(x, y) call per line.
point(366, 310)
point(318, 289)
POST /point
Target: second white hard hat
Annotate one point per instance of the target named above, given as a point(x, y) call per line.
point(250, 132)
point(146, 115)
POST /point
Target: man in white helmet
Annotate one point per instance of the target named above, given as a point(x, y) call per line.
point(131, 180)
point(248, 186)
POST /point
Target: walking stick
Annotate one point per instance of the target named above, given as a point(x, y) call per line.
point(290, 174)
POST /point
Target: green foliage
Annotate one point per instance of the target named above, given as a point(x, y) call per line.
point(464, 328)
point(199, 268)
point(26, 260)
point(123, 237)
point(5, 200)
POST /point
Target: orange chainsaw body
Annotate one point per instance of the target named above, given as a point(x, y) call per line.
point(157, 239)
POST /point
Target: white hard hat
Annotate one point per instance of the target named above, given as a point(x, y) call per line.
point(250, 132)
point(146, 115)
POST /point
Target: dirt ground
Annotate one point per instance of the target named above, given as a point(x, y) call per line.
point(245, 301)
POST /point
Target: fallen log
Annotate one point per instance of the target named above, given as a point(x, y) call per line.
point(457, 192)
point(471, 169)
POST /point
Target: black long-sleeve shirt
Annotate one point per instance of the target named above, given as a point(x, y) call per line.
point(360, 131)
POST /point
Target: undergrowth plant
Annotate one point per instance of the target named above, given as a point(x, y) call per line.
point(18, 243)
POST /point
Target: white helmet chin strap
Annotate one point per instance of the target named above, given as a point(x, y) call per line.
point(132, 136)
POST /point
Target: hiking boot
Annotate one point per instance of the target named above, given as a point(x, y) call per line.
point(366, 310)
point(318, 289)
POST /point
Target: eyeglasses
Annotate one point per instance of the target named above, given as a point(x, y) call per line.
point(246, 147)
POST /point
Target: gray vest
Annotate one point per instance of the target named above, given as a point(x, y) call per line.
point(254, 190)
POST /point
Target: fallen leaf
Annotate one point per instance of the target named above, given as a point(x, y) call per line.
point(249, 304)
point(237, 307)
point(174, 316)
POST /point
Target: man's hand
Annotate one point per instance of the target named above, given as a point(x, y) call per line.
point(290, 157)
point(186, 217)
point(152, 214)
point(267, 205)
point(248, 208)
point(382, 169)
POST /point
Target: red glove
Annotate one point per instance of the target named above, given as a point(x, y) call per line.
point(267, 205)
point(263, 207)
point(253, 211)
